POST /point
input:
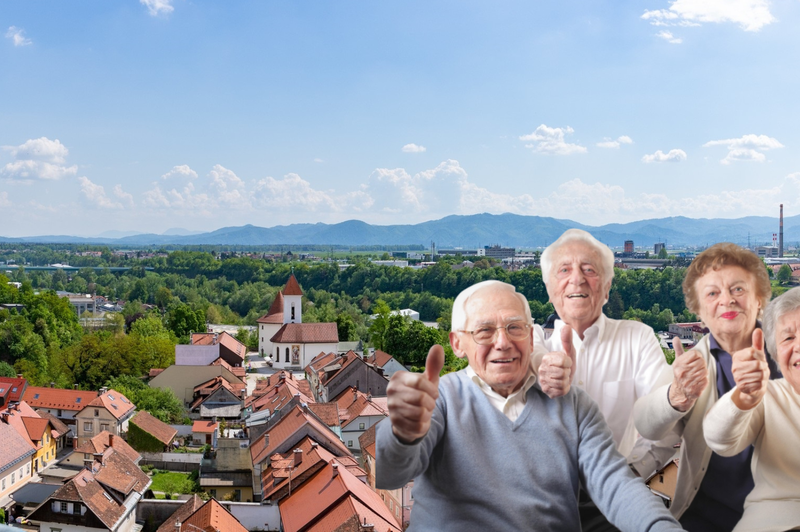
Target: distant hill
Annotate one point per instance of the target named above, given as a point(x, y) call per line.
point(471, 231)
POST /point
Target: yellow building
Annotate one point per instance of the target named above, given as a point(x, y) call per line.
point(36, 430)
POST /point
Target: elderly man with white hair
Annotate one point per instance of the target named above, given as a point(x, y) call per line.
point(614, 361)
point(487, 449)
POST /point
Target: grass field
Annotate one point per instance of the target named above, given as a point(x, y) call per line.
point(168, 481)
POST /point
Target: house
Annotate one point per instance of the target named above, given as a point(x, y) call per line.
point(60, 431)
point(276, 391)
point(286, 431)
point(102, 496)
point(385, 362)
point(109, 411)
point(11, 390)
point(85, 453)
point(335, 499)
point(205, 348)
point(182, 380)
point(147, 433)
point(330, 374)
point(283, 335)
point(218, 398)
point(227, 473)
point(399, 501)
point(195, 515)
point(64, 404)
point(205, 432)
point(15, 460)
point(358, 412)
point(36, 430)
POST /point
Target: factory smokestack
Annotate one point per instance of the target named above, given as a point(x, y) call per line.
point(780, 237)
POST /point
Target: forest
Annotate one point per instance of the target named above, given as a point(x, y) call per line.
point(185, 289)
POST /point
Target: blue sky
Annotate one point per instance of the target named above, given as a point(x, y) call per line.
point(155, 114)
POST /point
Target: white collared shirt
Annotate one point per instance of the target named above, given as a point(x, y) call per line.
point(510, 406)
point(617, 362)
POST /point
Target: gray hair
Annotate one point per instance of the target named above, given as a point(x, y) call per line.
point(458, 319)
point(578, 235)
point(783, 304)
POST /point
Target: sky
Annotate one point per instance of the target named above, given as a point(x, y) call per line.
point(151, 115)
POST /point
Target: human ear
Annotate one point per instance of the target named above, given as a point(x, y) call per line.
point(455, 343)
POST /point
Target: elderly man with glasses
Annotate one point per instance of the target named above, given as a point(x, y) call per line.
point(487, 449)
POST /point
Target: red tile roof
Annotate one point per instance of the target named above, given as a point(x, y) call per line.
point(306, 333)
point(289, 430)
point(212, 517)
point(15, 385)
point(204, 425)
point(98, 444)
point(233, 344)
point(59, 428)
point(42, 397)
point(327, 412)
point(154, 426)
point(16, 449)
point(236, 370)
point(333, 496)
point(114, 402)
point(36, 427)
point(275, 312)
point(380, 358)
point(292, 287)
point(154, 372)
point(278, 395)
point(181, 514)
point(355, 403)
point(16, 416)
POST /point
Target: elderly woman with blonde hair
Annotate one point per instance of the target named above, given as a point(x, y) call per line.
point(766, 414)
point(728, 287)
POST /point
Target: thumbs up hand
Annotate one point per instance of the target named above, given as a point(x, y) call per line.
point(412, 397)
point(751, 373)
point(689, 377)
point(557, 368)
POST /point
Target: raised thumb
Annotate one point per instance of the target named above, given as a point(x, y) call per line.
point(566, 341)
point(434, 363)
point(758, 340)
point(677, 344)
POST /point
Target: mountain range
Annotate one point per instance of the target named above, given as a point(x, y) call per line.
point(472, 231)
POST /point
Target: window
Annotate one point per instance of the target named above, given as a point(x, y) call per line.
point(63, 507)
point(213, 493)
point(237, 495)
point(361, 426)
point(96, 412)
point(13, 478)
point(3, 484)
point(87, 426)
point(103, 426)
point(349, 443)
point(28, 469)
point(287, 355)
point(292, 311)
point(36, 396)
point(277, 354)
point(78, 400)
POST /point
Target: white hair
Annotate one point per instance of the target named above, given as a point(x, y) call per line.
point(579, 235)
point(458, 319)
point(783, 304)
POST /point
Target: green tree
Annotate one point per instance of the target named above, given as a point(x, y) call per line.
point(784, 274)
point(380, 324)
point(346, 328)
point(662, 254)
point(7, 370)
point(183, 321)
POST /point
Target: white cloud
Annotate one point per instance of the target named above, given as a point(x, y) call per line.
point(96, 194)
point(4, 202)
point(673, 156)
point(291, 192)
point(750, 15)
point(126, 198)
point(17, 36)
point(667, 36)
point(158, 7)
point(746, 148)
point(40, 158)
point(318, 160)
point(182, 170)
point(614, 144)
point(550, 140)
point(413, 148)
point(185, 199)
point(228, 188)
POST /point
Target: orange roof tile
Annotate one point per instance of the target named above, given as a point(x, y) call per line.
point(59, 428)
point(306, 333)
point(99, 443)
point(42, 397)
point(16, 387)
point(15, 448)
point(15, 416)
point(212, 517)
point(292, 287)
point(320, 497)
point(327, 412)
point(179, 516)
point(380, 358)
point(204, 425)
point(114, 402)
point(154, 426)
point(36, 427)
point(275, 313)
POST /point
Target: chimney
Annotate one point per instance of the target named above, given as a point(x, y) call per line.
point(335, 469)
point(110, 440)
point(19, 375)
point(367, 527)
point(282, 376)
point(305, 407)
point(99, 457)
point(177, 526)
point(4, 416)
point(355, 395)
point(314, 445)
point(74, 386)
point(298, 457)
point(780, 238)
point(52, 385)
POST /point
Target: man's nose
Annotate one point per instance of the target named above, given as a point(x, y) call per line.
point(576, 276)
point(501, 340)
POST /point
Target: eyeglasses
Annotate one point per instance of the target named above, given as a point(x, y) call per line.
point(486, 335)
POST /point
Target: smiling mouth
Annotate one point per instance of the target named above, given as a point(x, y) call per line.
point(729, 315)
point(503, 361)
point(574, 296)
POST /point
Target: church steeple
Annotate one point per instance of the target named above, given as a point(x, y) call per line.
point(292, 302)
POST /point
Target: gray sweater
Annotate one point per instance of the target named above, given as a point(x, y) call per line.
point(476, 470)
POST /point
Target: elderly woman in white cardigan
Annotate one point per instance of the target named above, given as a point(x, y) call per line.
point(766, 414)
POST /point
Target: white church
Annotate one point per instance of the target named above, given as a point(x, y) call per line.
point(283, 336)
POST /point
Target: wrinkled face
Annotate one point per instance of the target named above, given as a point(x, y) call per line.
point(728, 301)
point(787, 340)
point(504, 364)
point(576, 287)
